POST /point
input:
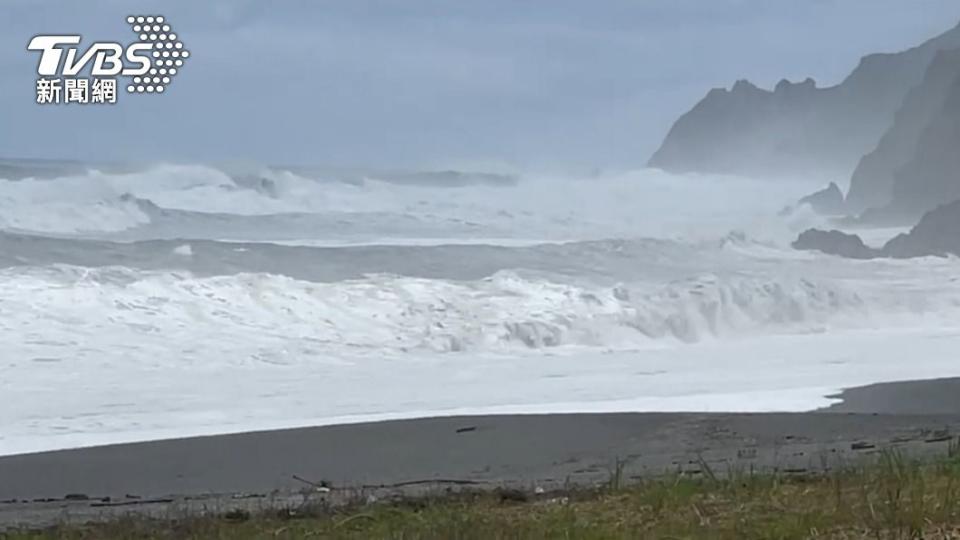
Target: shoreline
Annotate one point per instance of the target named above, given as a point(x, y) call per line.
point(919, 418)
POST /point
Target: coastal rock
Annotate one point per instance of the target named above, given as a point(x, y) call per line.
point(834, 243)
point(797, 129)
point(828, 201)
point(938, 233)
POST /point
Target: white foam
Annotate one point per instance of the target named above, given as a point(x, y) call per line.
point(718, 321)
point(82, 401)
point(402, 314)
point(109, 355)
point(66, 205)
point(639, 203)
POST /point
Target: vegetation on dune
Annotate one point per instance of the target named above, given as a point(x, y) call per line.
point(891, 498)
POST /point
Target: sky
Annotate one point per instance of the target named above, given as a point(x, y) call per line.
point(548, 84)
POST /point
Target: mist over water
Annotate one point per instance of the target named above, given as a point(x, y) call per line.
point(325, 292)
point(147, 204)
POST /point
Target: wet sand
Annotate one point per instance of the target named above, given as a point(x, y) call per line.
point(939, 396)
point(275, 468)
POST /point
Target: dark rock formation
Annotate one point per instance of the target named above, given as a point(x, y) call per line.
point(828, 201)
point(834, 243)
point(938, 233)
point(873, 180)
point(797, 129)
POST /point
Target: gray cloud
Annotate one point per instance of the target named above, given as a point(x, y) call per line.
point(558, 83)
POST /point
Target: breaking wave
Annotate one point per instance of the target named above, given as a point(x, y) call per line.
point(261, 317)
point(619, 205)
point(96, 201)
point(126, 295)
point(627, 281)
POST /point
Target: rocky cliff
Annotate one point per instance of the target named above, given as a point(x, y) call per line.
point(932, 176)
point(873, 181)
point(798, 129)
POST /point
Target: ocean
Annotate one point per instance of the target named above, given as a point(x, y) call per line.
point(140, 302)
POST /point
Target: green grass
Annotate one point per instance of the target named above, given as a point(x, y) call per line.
point(891, 498)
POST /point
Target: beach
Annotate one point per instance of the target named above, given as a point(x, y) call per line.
point(278, 468)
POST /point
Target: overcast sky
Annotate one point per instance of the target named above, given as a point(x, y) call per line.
point(436, 83)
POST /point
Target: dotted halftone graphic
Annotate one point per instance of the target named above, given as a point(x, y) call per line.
point(168, 53)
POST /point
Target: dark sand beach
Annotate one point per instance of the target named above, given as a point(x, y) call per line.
point(262, 469)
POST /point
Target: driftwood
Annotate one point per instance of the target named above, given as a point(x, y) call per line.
point(324, 485)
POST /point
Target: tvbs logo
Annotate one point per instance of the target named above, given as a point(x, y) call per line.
point(148, 65)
